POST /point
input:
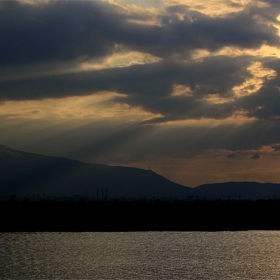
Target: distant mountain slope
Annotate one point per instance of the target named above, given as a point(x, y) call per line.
point(238, 190)
point(26, 173)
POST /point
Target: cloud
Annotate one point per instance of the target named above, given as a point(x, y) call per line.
point(59, 36)
point(189, 103)
point(263, 103)
point(65, 30)
point(255, 156)
point(57, 31)
point(276, 148)
point(151, 86)
point(232, 155)
point(147, 86)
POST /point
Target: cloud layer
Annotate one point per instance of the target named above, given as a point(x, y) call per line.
point(208, 76)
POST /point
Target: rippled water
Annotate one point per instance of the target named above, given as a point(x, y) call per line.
point(141, 255)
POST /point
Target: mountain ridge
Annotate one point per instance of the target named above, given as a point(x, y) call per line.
point(23, 173)
point(239, 190)
point(29, 173)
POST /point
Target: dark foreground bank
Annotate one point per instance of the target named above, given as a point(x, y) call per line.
point(140, 216)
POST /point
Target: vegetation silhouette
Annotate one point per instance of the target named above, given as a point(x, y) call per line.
point(12, 198)
point(195, 215)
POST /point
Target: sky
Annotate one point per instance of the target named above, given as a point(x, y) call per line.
point(189, 89)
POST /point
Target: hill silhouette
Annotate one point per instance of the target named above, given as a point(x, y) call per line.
point(238, 191)
point(24, 173)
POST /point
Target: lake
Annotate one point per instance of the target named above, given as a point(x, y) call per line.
point(140, 255)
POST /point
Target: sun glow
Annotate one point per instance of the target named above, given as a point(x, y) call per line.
point(181, 90)
point(263, 51)
point(120, 59)
point(215, 8)
point(97, 106)
point(252, 85)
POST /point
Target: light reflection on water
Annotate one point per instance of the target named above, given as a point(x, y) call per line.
point(140, 255)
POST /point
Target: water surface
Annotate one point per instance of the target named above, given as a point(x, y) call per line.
point(140, 255)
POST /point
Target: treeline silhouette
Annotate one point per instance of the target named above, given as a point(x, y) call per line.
point(139, 215)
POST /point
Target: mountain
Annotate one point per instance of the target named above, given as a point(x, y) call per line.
point(238, 190)
point(24, 173)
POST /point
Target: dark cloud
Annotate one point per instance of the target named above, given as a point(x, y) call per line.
point(232, 155)
point(42, 47)
point(58, 31)
point(276, 148)
point(263, 104)
point(65, 30)
point(61, 34)
point(148, 86)
point(255, 156)
point(272, 3)
point(197, 30)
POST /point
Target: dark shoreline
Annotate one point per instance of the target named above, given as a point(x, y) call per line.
point(118, 216)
